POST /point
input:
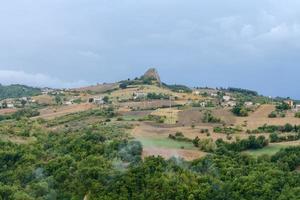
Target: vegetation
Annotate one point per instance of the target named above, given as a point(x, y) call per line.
point(282, 106)
point(240, 111)
point(178, 88)
point(227, 130)
point(275, 137)
point(242, 91)
point(206, 145)
point(241, 145)
point(272, 115)
point(19, 114)
point(287, 128)
point(209, 118)
point(17, 91)
point(99, 161)
point(153, 95)
point(179, 137)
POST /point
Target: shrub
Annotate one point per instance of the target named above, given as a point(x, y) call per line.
point(240, 111)
point(272, 115)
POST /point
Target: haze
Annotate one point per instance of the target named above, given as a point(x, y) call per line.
point(68, 43)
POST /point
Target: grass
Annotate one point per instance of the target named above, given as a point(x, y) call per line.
point(130, 117)
point(170, 114)
point(269, 150)
point(165, 143)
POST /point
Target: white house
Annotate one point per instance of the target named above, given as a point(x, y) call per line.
point(297, 108)
point(196, 92)
point(229, 104)
point(68, 103)
point(10, 105)
point(99, 100)
point(248, 104)
point(214, 94)
point(139, 95)
point(24, 99)
point(226, 98)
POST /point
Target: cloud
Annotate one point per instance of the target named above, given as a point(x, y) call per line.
point(104, 41)
point(39, 80)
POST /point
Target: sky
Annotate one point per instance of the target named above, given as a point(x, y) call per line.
point(253, 44)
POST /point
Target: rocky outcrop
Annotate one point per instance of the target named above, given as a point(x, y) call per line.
point(152, 74)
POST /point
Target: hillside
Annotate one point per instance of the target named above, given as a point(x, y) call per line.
point(139, 139)
point(17, 91)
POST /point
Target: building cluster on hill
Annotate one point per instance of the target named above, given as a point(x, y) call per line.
point(16, 103)
point(295, 107)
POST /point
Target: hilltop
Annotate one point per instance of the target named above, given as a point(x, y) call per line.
point(152, 74)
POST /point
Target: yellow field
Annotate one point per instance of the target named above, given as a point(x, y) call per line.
point(170, 114)
point(44, 99)
point(128, 92)
point(260, 117)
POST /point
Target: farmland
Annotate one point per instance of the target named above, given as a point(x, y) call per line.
point(108, 137)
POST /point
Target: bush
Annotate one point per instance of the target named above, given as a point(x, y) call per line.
point(123, 85)
point(240, 111)
point(251, 143)
point(209, 118)
point(272, 115)
point(283, 106)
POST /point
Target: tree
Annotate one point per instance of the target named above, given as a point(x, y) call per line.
point(58, 99)
point(4, 104)
point(23, 103)
point(123, 85)
point(106, 99)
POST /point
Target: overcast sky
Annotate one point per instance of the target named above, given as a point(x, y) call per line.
point(253, 44)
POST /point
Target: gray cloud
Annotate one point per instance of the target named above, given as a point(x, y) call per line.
point(253, 44)
point(41, 80)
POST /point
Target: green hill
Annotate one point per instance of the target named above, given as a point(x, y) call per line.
point(16, 91)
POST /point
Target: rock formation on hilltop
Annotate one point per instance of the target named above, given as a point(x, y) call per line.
point(152, 74)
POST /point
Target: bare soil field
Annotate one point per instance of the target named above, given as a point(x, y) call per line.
point(177, 153)
point(225, 115)
point(145, 130)
point(190, 116)
point(260, 117)
point(7, 111)
point(44, 99)
point(52, 112)
point(147, 104)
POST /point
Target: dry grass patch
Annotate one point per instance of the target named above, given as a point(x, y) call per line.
point(170, 114)
point(260, 117)
point(186, 154)
point(52, 112)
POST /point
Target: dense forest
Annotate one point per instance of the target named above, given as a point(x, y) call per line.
point(100, 161)
point(16, 91)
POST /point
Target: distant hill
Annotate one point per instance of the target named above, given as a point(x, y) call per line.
point(16, 91)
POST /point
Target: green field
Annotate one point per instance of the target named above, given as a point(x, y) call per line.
point(269, 150)
point(165, 143)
